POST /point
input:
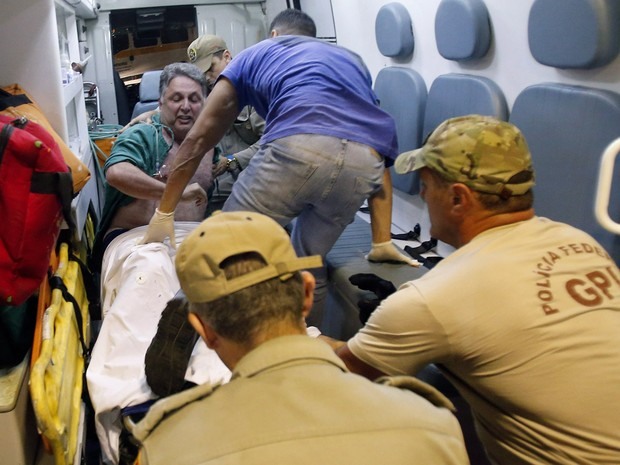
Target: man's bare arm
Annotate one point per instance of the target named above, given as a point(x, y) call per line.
point(354, 364)
point(145, 117)
point(380, 205)
point(132, 181)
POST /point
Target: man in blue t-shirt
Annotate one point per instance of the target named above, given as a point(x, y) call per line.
point(325, 145)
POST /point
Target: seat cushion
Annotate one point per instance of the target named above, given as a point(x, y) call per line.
point(346, 258)
point(402, 93)
point(574, 34)
point(393, 31)
point(462, 29)
point(567, 128)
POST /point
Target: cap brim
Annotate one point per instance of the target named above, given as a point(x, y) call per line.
point(409, 161)
point(204, 63)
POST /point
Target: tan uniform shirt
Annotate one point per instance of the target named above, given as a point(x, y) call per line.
point(525, 320)
point(244, 133)
point(292, 401)
point(242, 141)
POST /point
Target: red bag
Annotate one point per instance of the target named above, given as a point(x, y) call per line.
point(35, 193)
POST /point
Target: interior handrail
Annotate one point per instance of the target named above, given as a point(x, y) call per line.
point(603, 188)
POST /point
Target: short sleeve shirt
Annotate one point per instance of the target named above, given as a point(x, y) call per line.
point(302, 85)
point(524, 321)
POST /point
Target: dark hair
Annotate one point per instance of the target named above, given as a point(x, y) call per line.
point(492, 202)
point(514, 203)
point(293, 22)
point(182, 69)
point(243, 315)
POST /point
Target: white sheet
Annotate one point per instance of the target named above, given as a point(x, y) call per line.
point(137, 282)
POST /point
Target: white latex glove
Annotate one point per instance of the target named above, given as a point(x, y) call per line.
point(313, 331)
point(160, 227)
point(387, 252)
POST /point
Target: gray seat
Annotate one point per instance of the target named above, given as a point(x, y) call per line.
point(462, 29)
point(580, 34)
point(455, 94)
point(567, 128)
point(402, 93)
point(393, 31)
point(149, 93)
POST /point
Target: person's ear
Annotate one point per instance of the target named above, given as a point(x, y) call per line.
point(205, 331)
point(461, 196)
point(309, 284)
point(273, 33)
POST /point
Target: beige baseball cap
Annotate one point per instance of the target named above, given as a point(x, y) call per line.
point(226, 234)
point(200, 52)
point(484, 153)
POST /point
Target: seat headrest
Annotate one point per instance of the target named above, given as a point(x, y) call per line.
point(394, 31)
point(149, 86)
point(579, 34)
point(462, 29)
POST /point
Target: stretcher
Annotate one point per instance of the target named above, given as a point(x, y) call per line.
point(137, 280)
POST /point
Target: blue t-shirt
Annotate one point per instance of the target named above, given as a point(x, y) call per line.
point(302, 85)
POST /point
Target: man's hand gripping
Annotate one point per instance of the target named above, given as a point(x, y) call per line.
point(161, 225)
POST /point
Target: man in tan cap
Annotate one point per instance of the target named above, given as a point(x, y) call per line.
point(522, 318)
point(202, 51)
point(290, 398)
point(211, 54)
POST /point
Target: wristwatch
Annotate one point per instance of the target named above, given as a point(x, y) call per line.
point(232, 164)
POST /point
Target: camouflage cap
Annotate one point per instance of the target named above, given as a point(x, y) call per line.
point(200, 52)
point(224, 235)
point(484, 153)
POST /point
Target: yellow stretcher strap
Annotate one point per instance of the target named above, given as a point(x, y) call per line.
point(57, 283)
